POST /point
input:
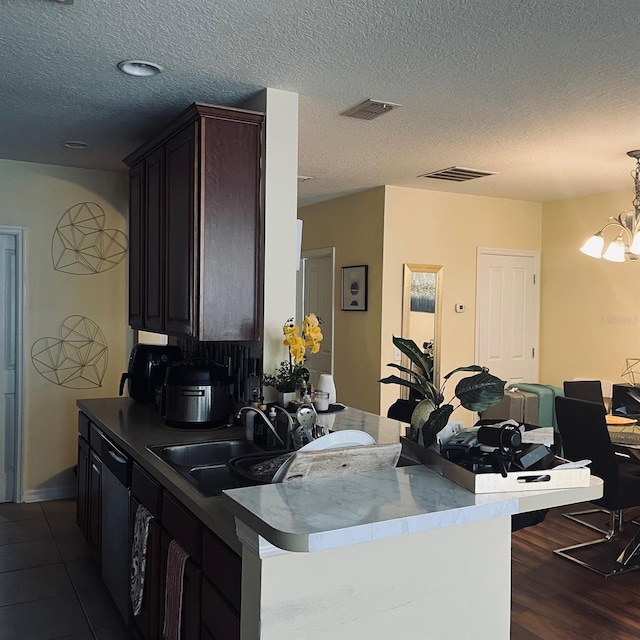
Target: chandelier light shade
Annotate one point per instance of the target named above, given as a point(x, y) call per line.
point(627, 243)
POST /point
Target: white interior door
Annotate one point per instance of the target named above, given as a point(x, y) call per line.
point(316, 295)
point(507, 313)
point(8, 412)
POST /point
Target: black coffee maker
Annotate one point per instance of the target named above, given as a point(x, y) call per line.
point(147, 367)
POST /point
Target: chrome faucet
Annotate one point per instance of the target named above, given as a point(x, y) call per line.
point(292, 427)
point(266, 421)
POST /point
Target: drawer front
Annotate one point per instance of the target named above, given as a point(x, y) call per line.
point(222, 567)
point(146, 490)
point(95, 438)
point(217, 616)
point(83, 425)
point(181, 525)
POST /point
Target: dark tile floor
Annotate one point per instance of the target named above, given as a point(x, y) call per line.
point(50, 585)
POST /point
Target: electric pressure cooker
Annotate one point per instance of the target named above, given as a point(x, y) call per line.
point(197, 394)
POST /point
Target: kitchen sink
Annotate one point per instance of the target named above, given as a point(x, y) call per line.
point(204, 464)
point(202, 453)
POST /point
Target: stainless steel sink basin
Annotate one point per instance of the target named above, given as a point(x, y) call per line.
point(202, 453)
point(204, 464)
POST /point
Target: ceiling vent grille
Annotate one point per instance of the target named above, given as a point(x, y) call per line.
point(457, 174)
point(370, 109)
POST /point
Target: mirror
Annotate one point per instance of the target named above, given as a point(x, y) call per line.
point(422, 311)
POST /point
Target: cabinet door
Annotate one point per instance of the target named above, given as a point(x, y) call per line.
point(153, 306)
point(231, 228)
point(82, 506)
point(221, 620)
point(190, 618)
point(180, 267)
point(136, 245)
point(147, 622)
point(95, 505)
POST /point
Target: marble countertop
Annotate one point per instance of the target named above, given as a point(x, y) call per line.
point(322, 513)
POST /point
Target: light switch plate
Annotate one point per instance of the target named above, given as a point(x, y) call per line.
point(397, 355)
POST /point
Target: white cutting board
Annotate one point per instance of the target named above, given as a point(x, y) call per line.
point(305, 465)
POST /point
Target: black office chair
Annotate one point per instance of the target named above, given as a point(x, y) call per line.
point(583, 428)
point(590, 390)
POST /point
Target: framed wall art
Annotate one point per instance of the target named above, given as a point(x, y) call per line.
point(354, 288)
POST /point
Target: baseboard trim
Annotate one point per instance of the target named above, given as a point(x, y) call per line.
point(51, 493)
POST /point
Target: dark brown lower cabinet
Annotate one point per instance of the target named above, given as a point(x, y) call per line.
point(213, 572)
point(218, 618)
point(148, 622)
point(95, 505)
point(82, 505)
point(205, 635)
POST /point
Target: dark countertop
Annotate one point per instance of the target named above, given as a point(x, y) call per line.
point(134, 427)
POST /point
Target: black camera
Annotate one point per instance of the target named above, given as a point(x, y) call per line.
point(506, 436)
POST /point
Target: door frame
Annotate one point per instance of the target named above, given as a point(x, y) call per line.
point(318, 253)
point(19, 234)
point(517, 253)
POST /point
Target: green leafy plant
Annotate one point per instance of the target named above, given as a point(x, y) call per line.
point(287, 378)
point(476, 392)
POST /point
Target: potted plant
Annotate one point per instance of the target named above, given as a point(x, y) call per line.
point(476, 392)
point(287, 379)
point(290, 374)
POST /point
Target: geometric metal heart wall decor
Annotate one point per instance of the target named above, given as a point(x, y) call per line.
point(77, 358)
point(81, 244)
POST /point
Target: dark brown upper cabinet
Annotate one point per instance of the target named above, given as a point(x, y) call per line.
point(195, 230)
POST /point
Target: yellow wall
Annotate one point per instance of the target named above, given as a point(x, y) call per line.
point(354, 226)
point(433, 227)
point(590, 309)
point(35, 197)
point(388, 227)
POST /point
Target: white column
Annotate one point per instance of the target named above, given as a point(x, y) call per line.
point(280, 172)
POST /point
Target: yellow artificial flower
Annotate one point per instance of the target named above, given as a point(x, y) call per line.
point(309, 339)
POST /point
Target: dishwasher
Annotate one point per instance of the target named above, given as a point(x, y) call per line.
point(116, 478)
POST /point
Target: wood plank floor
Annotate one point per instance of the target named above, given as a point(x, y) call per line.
point(553, 598)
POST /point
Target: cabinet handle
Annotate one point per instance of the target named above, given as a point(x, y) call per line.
point(95, 468)
point(117, 458)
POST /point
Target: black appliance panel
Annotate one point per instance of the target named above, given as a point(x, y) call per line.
point(147, 368)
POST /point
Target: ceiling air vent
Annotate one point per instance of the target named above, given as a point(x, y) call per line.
point(370, 109)
point(457, 174)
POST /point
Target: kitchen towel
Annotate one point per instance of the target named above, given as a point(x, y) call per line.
point(139, 557)
point(176, 560)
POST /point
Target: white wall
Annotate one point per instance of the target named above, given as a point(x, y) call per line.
point(280, 180)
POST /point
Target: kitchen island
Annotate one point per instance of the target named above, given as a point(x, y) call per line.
point(401, 553)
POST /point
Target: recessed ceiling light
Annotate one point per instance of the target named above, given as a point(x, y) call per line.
point(74, 144)
point(139, 68)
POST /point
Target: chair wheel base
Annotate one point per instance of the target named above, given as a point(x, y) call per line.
point(600, 556)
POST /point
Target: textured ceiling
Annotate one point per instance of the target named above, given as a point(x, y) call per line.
point(544, 92)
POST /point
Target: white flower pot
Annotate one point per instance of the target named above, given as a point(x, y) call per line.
point(286, 398)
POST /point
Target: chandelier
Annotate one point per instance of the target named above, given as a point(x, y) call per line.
point(627, 243)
